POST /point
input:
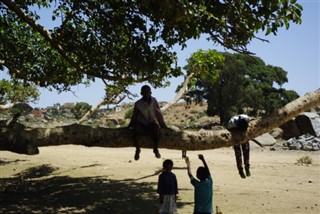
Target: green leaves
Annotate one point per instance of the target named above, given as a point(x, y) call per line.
point(205, 65)
point(80, 109)
point(127, 42)
point(233, 83)
point(17, 91)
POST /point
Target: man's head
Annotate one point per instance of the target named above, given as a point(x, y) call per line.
point(146, 91)
point(202, 173)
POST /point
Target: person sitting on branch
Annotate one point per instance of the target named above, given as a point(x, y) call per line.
point(147, 118)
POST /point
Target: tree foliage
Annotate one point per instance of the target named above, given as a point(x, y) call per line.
point(124, 42)
point(17, 91)
point(244, 83)
point(80, 109)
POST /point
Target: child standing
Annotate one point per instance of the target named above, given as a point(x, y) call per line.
point(202, 188)
point(167, 189)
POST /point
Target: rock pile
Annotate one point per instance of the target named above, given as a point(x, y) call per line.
point(303, 142)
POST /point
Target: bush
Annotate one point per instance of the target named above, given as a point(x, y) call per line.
point(80, 109)
point(15, 111)
point(304, 160)
point(128, 113)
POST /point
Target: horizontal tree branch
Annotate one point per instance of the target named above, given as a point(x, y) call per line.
point(27, 140)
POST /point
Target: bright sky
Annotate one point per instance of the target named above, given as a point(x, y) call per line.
point(296, 50)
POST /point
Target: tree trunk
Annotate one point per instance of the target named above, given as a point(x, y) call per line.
point(183, 90)
point(25, 140)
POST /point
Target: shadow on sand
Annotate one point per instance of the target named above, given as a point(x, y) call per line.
point(61, 194)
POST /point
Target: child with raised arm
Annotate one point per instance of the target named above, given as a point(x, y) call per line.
point(167, 189)
point(202, 188)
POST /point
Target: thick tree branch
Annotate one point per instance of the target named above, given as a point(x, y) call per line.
point(171, 139)
point(180, 94)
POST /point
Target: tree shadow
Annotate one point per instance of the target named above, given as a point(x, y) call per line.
point(5, 162)
point(156, 173)
point(26, 193)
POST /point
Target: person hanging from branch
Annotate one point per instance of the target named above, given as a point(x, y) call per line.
point(147, 118)
point(240, 123)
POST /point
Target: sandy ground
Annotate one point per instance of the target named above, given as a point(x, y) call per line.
point(77, 179)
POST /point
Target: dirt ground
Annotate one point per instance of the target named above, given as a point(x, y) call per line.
point(78, 179)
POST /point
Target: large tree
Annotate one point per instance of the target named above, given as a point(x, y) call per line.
point(124, 42)
point(241, 83)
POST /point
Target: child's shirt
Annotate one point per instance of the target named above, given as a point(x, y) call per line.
point(167, 184)
point(203, 195)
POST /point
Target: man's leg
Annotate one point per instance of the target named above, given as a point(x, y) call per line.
point(237, 152)
point(246, 157)
point(155, 134)
point(137, 133)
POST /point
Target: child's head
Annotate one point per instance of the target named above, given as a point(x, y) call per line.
point(202, 173)
point(167, 165)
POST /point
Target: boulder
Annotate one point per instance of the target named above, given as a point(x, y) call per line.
point(309, 123)
point(290, 130)
point(265, 140)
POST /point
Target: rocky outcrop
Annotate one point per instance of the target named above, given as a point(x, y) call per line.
point(304, 123)
point(290, 129)
point(309, 123)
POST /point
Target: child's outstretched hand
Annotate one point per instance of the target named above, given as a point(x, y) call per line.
point(201, 157)
point(187, 160)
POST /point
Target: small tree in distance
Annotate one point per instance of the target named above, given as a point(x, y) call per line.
point(80, 109)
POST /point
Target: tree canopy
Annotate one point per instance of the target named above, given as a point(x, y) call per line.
point(241, 83)
point(13, 92)
point(124, 42)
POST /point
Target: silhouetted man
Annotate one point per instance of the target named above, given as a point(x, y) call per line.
point(147, 119)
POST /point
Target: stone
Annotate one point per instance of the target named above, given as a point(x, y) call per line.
point(266, 140)
point(309, 123)
point(290, 130)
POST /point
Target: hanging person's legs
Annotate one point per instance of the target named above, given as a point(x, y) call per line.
point(246, 157)
point(238, 155)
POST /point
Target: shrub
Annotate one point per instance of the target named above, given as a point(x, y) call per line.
point(128, 113)
point(80, 109)
point(304, 160)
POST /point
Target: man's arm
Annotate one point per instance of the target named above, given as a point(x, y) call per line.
point(201, 157)
point(160, 116)
point(188, 166)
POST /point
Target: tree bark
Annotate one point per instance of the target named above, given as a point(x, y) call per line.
point(89, 113)
point(180, 93)
point(25, 140)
